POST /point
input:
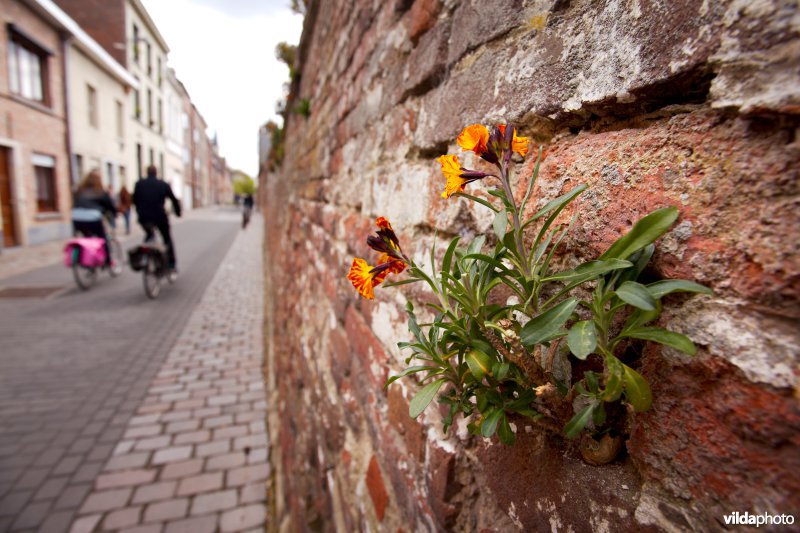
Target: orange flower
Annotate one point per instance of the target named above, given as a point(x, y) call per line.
point(518, 144)
point(475, 138)
point(457, 176)
point(365, 278)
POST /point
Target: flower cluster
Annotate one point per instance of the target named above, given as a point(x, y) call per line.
point(490, 147)
point(391, 260)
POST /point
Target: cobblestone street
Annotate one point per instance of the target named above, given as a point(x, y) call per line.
point(171, 437)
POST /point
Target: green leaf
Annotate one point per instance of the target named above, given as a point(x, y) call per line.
point(448, 255)
point(589, 270)
point(407, 371)
point(644, 232)
point(401, 282)
point(507, 436)
point(613, 388)
point(660, 289)
point(591, 381)
point(562, 200)
point(489, 425)
point(500, 224)
point(479, 363)
point(639, 318)
point(599, 417)
point(531, 182)
point(476, 199)
point(636, 295)
point(579, 421)
point(582, 339)
point(663, 336)
point(488, 259)
point(500, 370)
point(424, 397)
point(548, 323)
point(637, 391)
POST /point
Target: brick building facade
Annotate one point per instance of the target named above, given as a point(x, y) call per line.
point(34, 162)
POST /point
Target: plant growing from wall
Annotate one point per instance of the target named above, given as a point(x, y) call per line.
point(489, 356)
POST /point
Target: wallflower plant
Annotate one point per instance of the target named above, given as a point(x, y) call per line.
point(495, 348)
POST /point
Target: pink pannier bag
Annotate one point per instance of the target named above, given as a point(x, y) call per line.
point(92, 251)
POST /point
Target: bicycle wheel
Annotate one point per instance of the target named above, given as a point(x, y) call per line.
point(151, 278)
point(115, 248)
point(84, 276)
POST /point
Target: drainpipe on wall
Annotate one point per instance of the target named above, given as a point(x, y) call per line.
point(65, 46)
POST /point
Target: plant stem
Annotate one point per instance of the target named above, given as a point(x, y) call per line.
point(517, 225)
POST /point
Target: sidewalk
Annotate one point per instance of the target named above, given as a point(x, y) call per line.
point(194, 458)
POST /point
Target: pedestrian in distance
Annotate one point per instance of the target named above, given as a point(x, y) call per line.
point(247, 209)
point(90, 204)
point(124, 207)
point(149, 196)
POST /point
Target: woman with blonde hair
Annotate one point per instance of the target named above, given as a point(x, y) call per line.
point(90, 203)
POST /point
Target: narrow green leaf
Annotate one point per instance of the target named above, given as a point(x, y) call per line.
point(423, 398)
point(500, 370)
point(636, 295)
point(578, 422)
point(660, 289)
point(637, 391)
point(548, 323)
point(500, 224)
point(639, 317)
point(644, 232)
point(476, 199)
point(531, 182)
point(582, 338)
point(407, 371)
point(448, 255)
point(663, 336)
point(589, 270)
point(639, 260)
point(401, 282)
point(487, 259)
point(479, 363)
point(562, 200)
point(505, 433)
point(489, 425)
point(599, 417)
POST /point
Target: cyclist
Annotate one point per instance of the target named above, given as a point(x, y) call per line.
point(90, 203)
point(149, 195)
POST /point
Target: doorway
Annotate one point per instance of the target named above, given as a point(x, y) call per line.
point(9, 229)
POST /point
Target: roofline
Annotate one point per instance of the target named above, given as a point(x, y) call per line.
point(88, 45)
point(139, 7)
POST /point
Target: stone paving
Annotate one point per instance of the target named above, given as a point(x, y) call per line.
point(194, 457)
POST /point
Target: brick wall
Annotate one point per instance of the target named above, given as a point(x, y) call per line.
point(691, 104)
point(104, 20)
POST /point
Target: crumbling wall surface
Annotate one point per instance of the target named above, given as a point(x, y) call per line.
point(687, 103)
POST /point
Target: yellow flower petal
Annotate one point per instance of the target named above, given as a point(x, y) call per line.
point(451, 169)
point(475, 138)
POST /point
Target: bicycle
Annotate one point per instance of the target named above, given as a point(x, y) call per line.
point(151, 259)
point(86, 255)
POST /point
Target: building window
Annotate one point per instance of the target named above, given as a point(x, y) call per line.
point(120, 121)
point(112, 183)
point(160, 116)
point(152, 157)
point(27, 68)
point(44, 168)
point(149, 59)
point(91, 105)
point(139, 160)
point(161, 164)
point(123, 179)
point(136, 43)
point(137, 103)
point(78, 168)
point(159, 72)
point(150, 107)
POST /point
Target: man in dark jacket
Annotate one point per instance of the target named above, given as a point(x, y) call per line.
point(148, 197)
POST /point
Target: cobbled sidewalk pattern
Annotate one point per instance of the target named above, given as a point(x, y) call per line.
point(194, 457)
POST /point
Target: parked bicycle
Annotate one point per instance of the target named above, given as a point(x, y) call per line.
point(150, 258)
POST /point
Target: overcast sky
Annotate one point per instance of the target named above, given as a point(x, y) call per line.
point(224, 53)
